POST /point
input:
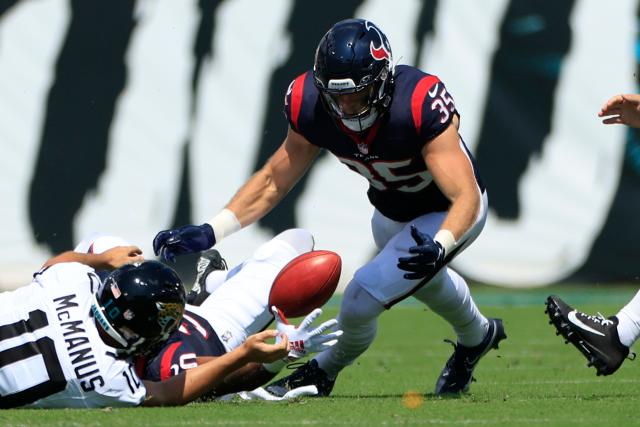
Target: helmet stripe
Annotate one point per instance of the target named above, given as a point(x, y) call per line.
point(417, 99)
point(296, 98)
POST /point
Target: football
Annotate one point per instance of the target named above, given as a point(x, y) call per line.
point(306, 282)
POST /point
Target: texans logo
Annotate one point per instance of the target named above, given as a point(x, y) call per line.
point(381, 52)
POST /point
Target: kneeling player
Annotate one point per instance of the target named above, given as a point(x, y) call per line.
point(68, 338)
point(232, 306)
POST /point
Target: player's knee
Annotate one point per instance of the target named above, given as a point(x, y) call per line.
point(358, 306)
point(300, 239)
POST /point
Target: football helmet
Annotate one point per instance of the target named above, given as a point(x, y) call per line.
point(353, 71)
point(139, 305)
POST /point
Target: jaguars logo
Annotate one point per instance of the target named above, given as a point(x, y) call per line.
point(169, 314)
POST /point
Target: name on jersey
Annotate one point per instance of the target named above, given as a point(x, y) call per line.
point(77, 342)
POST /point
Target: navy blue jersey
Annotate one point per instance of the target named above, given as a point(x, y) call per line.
point(389, 154)
point(194, 338)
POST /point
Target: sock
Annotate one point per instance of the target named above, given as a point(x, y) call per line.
point(629, 321)
point(448, 296)
point(358, 320)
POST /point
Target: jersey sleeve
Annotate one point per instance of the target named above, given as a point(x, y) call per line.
point(71, 275)
point(432, 108)
point(293, 101)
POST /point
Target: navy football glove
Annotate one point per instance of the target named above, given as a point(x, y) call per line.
point(183, 240)
point(428, 258)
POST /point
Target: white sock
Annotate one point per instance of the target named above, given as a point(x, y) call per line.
point(358, 320)
point(448, 296)
point(629, 321)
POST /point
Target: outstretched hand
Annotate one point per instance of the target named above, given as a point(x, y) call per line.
point(428, 257)
point(306, 339)
point(259, 350)
point(622, 109)
point(183, 240)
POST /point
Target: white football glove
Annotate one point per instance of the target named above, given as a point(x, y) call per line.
point(305, 339)
point(262, 394)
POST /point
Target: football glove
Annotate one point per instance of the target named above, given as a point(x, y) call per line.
point(304, 338)
point(262, 394)
point(428, 257)
point(183, 240)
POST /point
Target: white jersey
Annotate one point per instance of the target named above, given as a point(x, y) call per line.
point(50, 352)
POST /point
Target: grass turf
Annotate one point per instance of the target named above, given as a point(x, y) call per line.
point(534, 379)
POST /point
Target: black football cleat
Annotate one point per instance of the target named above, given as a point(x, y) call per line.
point(595, 336)
point(210, 260)
point(458, 372)
point(307, 374)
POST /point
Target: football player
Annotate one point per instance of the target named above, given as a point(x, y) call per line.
point(398, 128)
point(605, 342)
point(68, 338)
point(226, 308)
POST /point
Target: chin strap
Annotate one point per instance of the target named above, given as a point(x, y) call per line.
point(360, 124)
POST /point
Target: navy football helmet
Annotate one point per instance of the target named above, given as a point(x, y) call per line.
point(353, 71)
point(139, 305)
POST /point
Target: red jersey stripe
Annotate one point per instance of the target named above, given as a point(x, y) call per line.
point(165, 362)
point(417, 99)
point(296, 98)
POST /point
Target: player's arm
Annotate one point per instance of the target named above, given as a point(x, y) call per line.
point(264, 190)
point(453, 172)
point(193, 383)
point(254, 200)
point(107, 260)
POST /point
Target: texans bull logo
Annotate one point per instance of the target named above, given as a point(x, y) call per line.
point(379, 53)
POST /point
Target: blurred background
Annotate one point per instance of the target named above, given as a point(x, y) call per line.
point(131, 116)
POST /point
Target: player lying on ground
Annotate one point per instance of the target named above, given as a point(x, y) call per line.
point(68, 338)
point(232, 305)
point(605, 342)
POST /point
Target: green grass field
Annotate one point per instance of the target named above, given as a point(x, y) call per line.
point(534, 379)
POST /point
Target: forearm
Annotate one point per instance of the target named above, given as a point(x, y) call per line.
point(194, 383)
point(257, 197)
point(462, 213)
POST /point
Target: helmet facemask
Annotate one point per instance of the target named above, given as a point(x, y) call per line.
point(354, 73)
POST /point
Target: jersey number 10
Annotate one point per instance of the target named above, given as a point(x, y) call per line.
point(31, 358)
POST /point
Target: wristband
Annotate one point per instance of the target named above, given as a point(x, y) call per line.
point(446, 239)
point(224, 224)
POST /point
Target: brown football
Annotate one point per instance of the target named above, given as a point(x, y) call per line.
point(306, 282)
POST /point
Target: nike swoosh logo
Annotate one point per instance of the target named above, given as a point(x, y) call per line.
point(574, 319)
point(432, 93)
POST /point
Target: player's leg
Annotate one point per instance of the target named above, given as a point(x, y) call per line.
point(448, 295)
point(239, 307)
point(358, 316)
point(629, 322)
